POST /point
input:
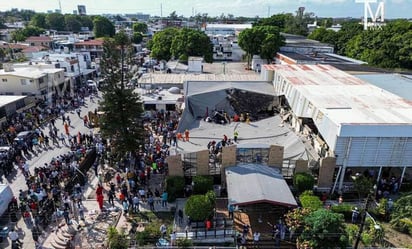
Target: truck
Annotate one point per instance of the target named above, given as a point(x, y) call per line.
point(6, 196)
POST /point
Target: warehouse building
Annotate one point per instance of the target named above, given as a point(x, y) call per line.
point(353, 125)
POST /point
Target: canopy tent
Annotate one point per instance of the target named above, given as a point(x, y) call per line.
point(253, 183)
point(201, 98)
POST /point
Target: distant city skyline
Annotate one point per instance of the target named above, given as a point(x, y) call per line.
point(248, 8)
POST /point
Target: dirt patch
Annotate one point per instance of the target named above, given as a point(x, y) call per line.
point(396, 238)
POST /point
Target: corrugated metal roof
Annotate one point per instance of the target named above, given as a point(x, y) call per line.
point(156, 78)
point(344, 98)
point(254, 183)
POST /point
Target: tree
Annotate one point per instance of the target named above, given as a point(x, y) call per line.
point(173, 15)
point(324, 35)
point(140, 27)
point(401, 216)
point(298, 25)
point(189, 42)
point(250, 40)
point(363, 185)
point(303, 181)
point(324, 229)
point(161, 44)
point(22, 34)
point(272, 43)
point(39, 20)
point(55, 21)
point(202, 184)
point(122, 118)
point(73, 23)
point(200, 207)
point(103, 27)
point(87, 22)
point(278, 20)
point(175, 187)
point(137, 38)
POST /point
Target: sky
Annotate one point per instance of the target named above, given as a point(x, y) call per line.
point(249, 8)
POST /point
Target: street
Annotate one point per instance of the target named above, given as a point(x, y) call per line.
point(17, 181)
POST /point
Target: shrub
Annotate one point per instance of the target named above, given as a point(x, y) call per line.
point(202, 184)
point(184, 243)
point(311, 202)
point(303, 181)
point(199, 207)
point(345, 209)
point(116, 240)
point(175, 187)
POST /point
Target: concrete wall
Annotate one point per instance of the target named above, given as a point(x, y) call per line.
point(301, 166)
point(202, 160)
point(228, 159)
point(326, 171)
point(175, 165)
point(275, 156)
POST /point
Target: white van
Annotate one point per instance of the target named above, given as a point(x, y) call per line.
point(92, 86)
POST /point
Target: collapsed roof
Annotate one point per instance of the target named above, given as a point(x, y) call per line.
point(201, 98)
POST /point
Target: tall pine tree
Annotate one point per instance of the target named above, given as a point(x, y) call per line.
point(122, 108)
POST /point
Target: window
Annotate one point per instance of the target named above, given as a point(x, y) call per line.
point(24, 82)
point(41, 80)
point(4, 80)
point(189, 162)
point(253, 155)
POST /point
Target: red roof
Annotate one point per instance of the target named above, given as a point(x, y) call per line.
point(90, 43)
point(34, 49)
point(38, 39)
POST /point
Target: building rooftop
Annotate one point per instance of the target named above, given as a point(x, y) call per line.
point(7, 99)
point(398, 84)
point(32, 72)
point(96, 42)
point(156, 78)
point(346, 98)
point(38, 39)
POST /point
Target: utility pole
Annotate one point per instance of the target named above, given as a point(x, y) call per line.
point(362, 225)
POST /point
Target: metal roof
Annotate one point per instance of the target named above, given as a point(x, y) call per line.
point(8, 99)
point(343, 98)
point(156, 78)
point(253, 183)
point(398, 84)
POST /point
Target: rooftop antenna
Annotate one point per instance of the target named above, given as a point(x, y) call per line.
point(377, 18)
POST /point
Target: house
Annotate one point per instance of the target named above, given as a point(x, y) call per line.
point(44, 41)
point(94, 47)
point(30, 80)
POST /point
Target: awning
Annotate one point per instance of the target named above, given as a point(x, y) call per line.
point(254, 183)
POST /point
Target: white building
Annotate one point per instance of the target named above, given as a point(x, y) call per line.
point(359, 124)
point(30, 80)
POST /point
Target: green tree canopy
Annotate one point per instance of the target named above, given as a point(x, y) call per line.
point(55, 21)
point(140, 27)
point(22, 34)
point(39, 20)
point(401, 216)
point(122, 118)
point(324, 229)
point(161, 44)
point(303, 181)
point(200, 207)
point(103, 27)
point(298, 25)
point(73, 23)
point(325, 35)
point(137, 37)
point(189, 42)
point(261, 40)
point(278, 20)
